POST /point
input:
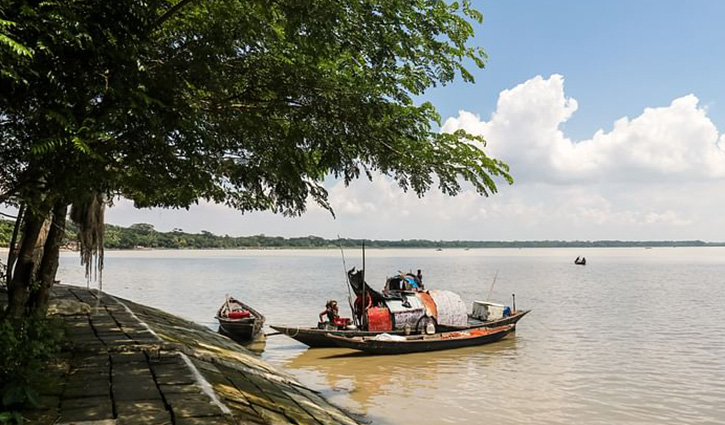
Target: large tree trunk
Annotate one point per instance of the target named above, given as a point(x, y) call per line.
point(12, 252)
point(38, 303)
point(25, 264)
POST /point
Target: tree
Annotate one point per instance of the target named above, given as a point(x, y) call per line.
point(249, 103)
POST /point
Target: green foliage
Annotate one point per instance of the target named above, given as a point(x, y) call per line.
point(6, 232)
point(144, 235)
point(247, 103)
point(11, 418)
point(7, 42)
point(25, 345)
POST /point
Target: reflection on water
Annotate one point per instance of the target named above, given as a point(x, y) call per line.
point(366, 377)
point(256, 345)
point(635, 337)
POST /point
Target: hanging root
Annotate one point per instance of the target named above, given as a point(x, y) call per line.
point(88, 213)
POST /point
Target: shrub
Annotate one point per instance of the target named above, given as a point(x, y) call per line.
point(25, 345)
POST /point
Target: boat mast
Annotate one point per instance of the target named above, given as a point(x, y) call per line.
point(347, 278)
point(490, 290)
point(365, 287)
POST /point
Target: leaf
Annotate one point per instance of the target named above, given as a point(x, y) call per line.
point(16, 47)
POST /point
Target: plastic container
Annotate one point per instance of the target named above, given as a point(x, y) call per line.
point(483, 310)
point(379, 319)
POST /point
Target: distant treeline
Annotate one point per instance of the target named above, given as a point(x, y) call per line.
point(144, 236)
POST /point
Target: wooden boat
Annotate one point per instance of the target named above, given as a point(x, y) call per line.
point(238, 320)
point(421, 343)
point(321, 338)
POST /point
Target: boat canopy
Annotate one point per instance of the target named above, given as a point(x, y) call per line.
point(358, 284)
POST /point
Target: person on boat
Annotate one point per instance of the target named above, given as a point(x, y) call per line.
point(419, 279)
point(584, 261)
point(331, 311)
point(577, 260)
point(411, 282)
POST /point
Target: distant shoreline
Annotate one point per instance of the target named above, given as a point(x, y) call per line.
point(143, 236)
point(379, 248)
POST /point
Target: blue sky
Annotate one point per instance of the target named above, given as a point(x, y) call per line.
point(618, 57)
point(647, 73)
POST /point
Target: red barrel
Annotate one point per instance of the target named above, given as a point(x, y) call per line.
point(379, 319)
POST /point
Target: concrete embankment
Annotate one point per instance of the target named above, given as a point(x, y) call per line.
point(131, 364)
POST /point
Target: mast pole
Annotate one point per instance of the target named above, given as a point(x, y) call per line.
point(365, 289)
point(347, 278)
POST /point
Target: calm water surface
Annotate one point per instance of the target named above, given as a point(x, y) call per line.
point(635, 337)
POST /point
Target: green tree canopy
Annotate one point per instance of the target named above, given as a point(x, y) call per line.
point(250, 103)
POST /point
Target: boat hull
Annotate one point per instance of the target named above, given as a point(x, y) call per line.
point(510, 320)
point(241, 331)
point(320, 338)
point(421, 343)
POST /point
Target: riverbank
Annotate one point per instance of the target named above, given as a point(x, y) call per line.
point(126, 363)
point(143, 236)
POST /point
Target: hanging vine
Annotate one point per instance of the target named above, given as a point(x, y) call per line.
point(88, 214)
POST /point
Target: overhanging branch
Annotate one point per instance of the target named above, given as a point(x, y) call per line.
point(169, 13)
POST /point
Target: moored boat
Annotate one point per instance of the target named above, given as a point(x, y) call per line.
point(321, 338)
point(238, 320)
point(396, 344)
point(404, 307)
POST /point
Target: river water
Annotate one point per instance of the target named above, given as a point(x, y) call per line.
point(637, 336)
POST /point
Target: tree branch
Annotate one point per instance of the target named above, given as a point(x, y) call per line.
point(169, 13)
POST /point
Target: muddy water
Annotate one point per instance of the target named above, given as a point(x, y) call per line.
point(635, 337)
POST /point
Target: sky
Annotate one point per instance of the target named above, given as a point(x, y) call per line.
point(610, 114)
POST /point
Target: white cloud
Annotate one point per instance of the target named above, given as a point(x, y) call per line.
point(678, 141)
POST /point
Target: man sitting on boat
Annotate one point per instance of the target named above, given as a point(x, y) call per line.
point(331, 311)
point(333, 317)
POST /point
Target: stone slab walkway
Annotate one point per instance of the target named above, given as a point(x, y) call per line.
point(132, 364)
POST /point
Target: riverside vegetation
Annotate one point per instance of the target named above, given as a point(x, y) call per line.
point(144, 235)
